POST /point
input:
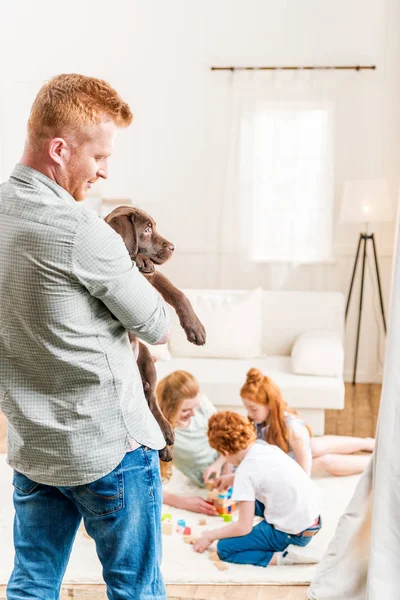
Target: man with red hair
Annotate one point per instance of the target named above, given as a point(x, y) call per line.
point(81, 440)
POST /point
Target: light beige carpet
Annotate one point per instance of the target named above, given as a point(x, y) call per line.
point(180, 563)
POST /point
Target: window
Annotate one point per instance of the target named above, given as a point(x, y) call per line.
point(287, 182)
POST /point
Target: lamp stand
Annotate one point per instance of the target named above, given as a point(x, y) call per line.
point(364, 238)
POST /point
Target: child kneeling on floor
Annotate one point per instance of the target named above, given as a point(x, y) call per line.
point(268, 484)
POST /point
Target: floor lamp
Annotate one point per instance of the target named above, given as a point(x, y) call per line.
point(366, 201)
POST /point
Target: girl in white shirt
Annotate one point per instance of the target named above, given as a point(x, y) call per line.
point(188, 412)
point(267, 483)
point(278, 424)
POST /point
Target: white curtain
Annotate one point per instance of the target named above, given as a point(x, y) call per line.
point(278, 197)
point(363, 560)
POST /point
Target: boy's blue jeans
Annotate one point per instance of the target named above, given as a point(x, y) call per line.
point(121, 512)
point(259, 546)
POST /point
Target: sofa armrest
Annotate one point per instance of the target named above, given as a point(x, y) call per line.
point(318, 353)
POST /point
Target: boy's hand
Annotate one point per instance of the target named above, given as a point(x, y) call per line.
point(215, 468)
point(211, 472)
point(224, 482)
point(203, 542)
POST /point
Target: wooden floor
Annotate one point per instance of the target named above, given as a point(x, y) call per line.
point(358, 418)
point(360, 414)
point(191, 592)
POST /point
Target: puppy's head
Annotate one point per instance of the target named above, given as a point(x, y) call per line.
point(138, 230)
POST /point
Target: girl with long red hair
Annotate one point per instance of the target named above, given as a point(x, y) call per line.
point(280, 425)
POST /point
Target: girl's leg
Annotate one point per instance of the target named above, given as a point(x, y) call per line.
point(340, 464)
point(340, 444)
point(256, 548)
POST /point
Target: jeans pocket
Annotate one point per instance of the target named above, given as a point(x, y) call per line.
point(103, 496)
point(23, 484)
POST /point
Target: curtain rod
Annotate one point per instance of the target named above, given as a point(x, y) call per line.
point(288, 68)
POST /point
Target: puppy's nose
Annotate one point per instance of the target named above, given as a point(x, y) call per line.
point(169, 246)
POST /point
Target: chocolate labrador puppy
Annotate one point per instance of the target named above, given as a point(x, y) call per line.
point(148, 249)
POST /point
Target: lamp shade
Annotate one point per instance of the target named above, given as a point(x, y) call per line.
point(366, 201)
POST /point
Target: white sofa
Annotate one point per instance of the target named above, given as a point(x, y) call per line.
point(296, 338)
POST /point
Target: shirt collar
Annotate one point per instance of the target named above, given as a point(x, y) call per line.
point(39, 180)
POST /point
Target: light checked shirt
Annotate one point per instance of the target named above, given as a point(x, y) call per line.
point(69, 383)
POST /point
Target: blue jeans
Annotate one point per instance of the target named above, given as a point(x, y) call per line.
point(259, 546)
point(121, 512)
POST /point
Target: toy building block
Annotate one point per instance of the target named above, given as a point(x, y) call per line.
point(187, 531)
point(222, 566)
point(212, 496)
point(210, 484)
point(225, 496)
point(225, 510)
point(167, 527)
point(181, 525)
point(214, 556)
point(227, 518)
point(222, 501)
point(167, 516)
point(190, 539)
point(181, 522)
point(202, 521)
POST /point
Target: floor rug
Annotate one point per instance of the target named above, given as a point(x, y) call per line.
point(180, 563)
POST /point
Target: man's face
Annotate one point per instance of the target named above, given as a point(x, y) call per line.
point(89, 161)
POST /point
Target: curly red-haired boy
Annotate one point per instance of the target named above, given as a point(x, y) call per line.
point(269, 484)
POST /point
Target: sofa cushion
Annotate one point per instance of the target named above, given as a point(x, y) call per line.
point(221, 380)
point(318, 353)
point(287, 314)
point(232, 321)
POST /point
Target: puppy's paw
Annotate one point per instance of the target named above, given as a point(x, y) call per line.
point(165, 454)
point(144, 264)
point(168, 433)
point(195, 332)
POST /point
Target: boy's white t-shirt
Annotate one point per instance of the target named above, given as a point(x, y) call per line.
point(291, 499)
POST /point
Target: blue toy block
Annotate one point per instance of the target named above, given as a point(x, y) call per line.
point(181, 523)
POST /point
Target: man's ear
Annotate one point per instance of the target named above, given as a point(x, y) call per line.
point(59, 151)
point(125, 226)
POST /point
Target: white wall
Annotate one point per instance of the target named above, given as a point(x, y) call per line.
point(171, 161)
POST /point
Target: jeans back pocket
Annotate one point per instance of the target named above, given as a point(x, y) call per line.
point(103, 496)
point(23, 484)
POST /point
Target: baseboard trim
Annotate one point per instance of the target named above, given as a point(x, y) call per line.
point(363, 377)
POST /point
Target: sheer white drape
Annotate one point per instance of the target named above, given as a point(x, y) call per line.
point(363, 560)
point(278, 198)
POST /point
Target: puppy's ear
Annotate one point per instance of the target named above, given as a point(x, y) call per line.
point(125, 226)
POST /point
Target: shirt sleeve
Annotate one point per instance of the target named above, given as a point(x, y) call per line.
point(101, 263)
point(243, 488)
